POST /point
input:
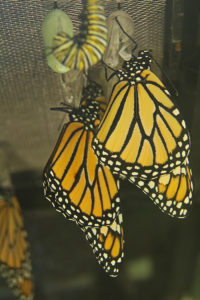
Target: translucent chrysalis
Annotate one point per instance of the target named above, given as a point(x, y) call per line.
point(56, 21)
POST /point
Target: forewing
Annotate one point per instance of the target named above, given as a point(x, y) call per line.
point(76, 184)
point(142, 133)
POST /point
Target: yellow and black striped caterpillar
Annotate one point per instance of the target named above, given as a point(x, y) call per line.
point(87, 47)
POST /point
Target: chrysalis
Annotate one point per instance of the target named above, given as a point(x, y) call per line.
point(56, 21)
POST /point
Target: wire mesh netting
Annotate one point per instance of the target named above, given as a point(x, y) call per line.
point(29, 88)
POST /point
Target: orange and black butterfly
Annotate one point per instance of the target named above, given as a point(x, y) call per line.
point(142, 133)
point(143, 137)
point(15, 263)
point(76, 183)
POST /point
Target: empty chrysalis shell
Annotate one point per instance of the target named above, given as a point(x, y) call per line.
point(72, 83)
point(119, 44)
point(56, 21)
point(119, 49)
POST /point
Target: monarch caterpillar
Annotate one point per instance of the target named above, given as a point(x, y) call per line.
point(86, 48)
point(78, 186)
point(56, 21)
point(15, 264)
point(171, 192)
point(142, 133)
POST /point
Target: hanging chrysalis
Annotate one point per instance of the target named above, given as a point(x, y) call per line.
point(56, 21)
point(119, 48)
point(119, 44)
point(72, 84)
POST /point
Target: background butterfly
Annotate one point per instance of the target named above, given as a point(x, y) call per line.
point(15, 263)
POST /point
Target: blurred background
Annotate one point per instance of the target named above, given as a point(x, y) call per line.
point(162, 255)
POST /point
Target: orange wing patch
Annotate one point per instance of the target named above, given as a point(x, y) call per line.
point(26, 287)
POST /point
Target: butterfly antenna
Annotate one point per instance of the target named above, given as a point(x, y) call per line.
point(166, 76)
point(106, 72)
point(67, 108)
point(122, 29)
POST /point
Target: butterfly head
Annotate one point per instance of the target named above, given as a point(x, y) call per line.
point(139, 63)
point(144, 58)
point(89, 109)
point(91, 91)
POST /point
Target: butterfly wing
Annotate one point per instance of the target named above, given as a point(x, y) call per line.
point(107, 243)
point(76, 184)
point(84, 190)
point(15, 263)
point(142, 133)
point(171, 192)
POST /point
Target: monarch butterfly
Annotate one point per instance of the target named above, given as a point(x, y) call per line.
point(142, 133)
point(171, 192)
point(82, 189)
point(86, 48)
point(15, 264)
point(56, 21)
point(74, 181)
point(108, 244)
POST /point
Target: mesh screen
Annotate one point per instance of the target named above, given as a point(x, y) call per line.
point(28, 87)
